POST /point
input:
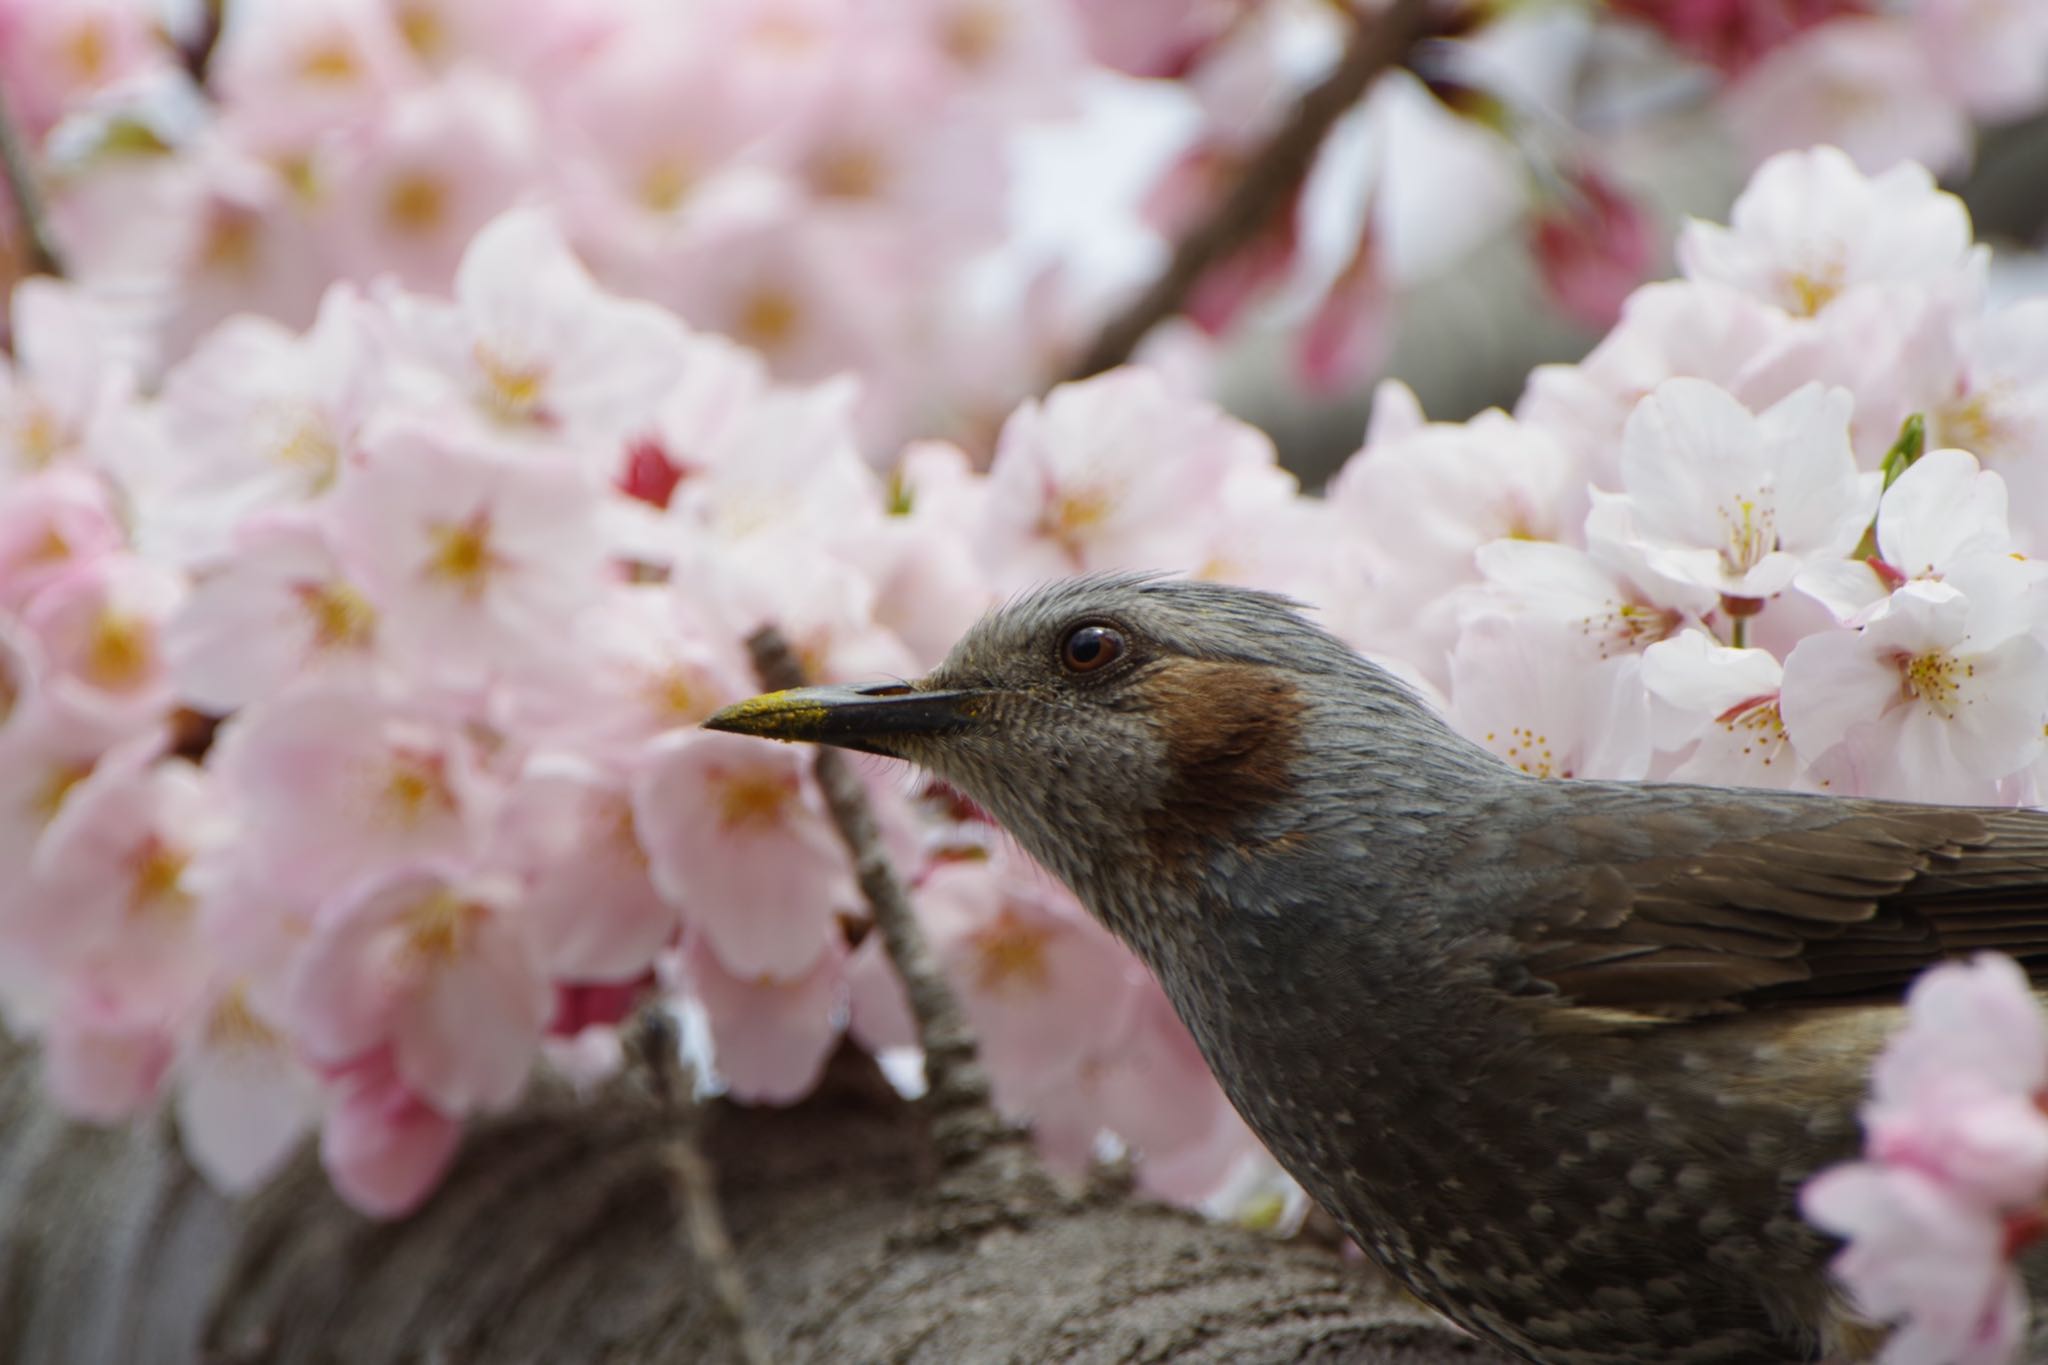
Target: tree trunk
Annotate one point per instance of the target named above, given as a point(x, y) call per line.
point(557, 1240)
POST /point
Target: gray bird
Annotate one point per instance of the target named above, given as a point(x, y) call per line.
point(1557, 1054)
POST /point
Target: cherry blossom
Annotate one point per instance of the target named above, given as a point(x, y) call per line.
point(384, 1146)
point(1928, 694)
point(770, 1035)
point(474, 560)
point(441, 972)
point(331, 782)
point(1722, 709)
point(737, 840)
point(1955, 1167)
point(1811, 229)
point(1719, 498)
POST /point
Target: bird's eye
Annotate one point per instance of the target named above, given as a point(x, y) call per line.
point(1088, 648)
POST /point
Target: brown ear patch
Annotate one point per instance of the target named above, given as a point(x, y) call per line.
point(1233, 732)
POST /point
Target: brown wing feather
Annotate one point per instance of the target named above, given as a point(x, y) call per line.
point(1683, 900)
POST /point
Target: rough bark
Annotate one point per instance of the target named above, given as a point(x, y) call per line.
point(557, 1239)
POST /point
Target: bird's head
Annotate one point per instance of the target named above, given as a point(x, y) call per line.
point(1122, 727)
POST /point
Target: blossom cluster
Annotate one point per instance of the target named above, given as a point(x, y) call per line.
point(1885, 79)
point(350, 686)
point(1954, 1183)
point(830, 183)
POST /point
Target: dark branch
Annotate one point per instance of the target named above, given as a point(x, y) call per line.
point(1273, 175)
point(964, 1121)
point(34, 225)
point(657, 1053)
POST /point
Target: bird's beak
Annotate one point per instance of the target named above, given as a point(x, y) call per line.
point(861, 718)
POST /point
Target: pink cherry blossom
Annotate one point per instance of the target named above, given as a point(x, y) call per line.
point(1732, 33)
point(439, 162)
point(66, 393)
point(281, 607)
point(101, 631)
point(305, 68)
point(384, 1147)
point(1988, 55)
point(244, 1100)
point(1919, 1252)
point(1717, 498)
point(532, 346)
point(1997, 409)
point(260, 419)
point(50, 524)
point(105, 1054)
point(1422, 504)
point(1955, 1170)
point(332, 782)
point(566, 830)
point(475, 560)
point(1041, 982)
point(1918, 701)
point(1670, 329)
point(1719, 708)
point(1154, 37)
point(1111, 473)
point(59, 53)
point(442, 972)
point(1811, 228)
point(1526, 690)
point(1592, 248)
point(770, 1036)
point(1346, 340)
point(1865, 85)
point(1943, 520)
point(107, 889)
point(737, 839)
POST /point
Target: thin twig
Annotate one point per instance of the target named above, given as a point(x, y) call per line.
point(658, 1055)
point(964, 1119)
point(199, 46)
point(1272, 176)
point(28, 199)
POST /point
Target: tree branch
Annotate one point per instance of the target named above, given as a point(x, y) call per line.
point(553, 1240)
point(964, 1120)
point(15, 161)
point(1274, 173)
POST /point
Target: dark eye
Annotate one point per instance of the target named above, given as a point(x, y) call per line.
point(1088, 648)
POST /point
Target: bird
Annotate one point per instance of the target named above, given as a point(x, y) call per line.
point(1556, 1053)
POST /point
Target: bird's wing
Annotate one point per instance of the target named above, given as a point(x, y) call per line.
point(1684, 900)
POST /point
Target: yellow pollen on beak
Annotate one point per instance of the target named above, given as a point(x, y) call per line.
point(1011, 953)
